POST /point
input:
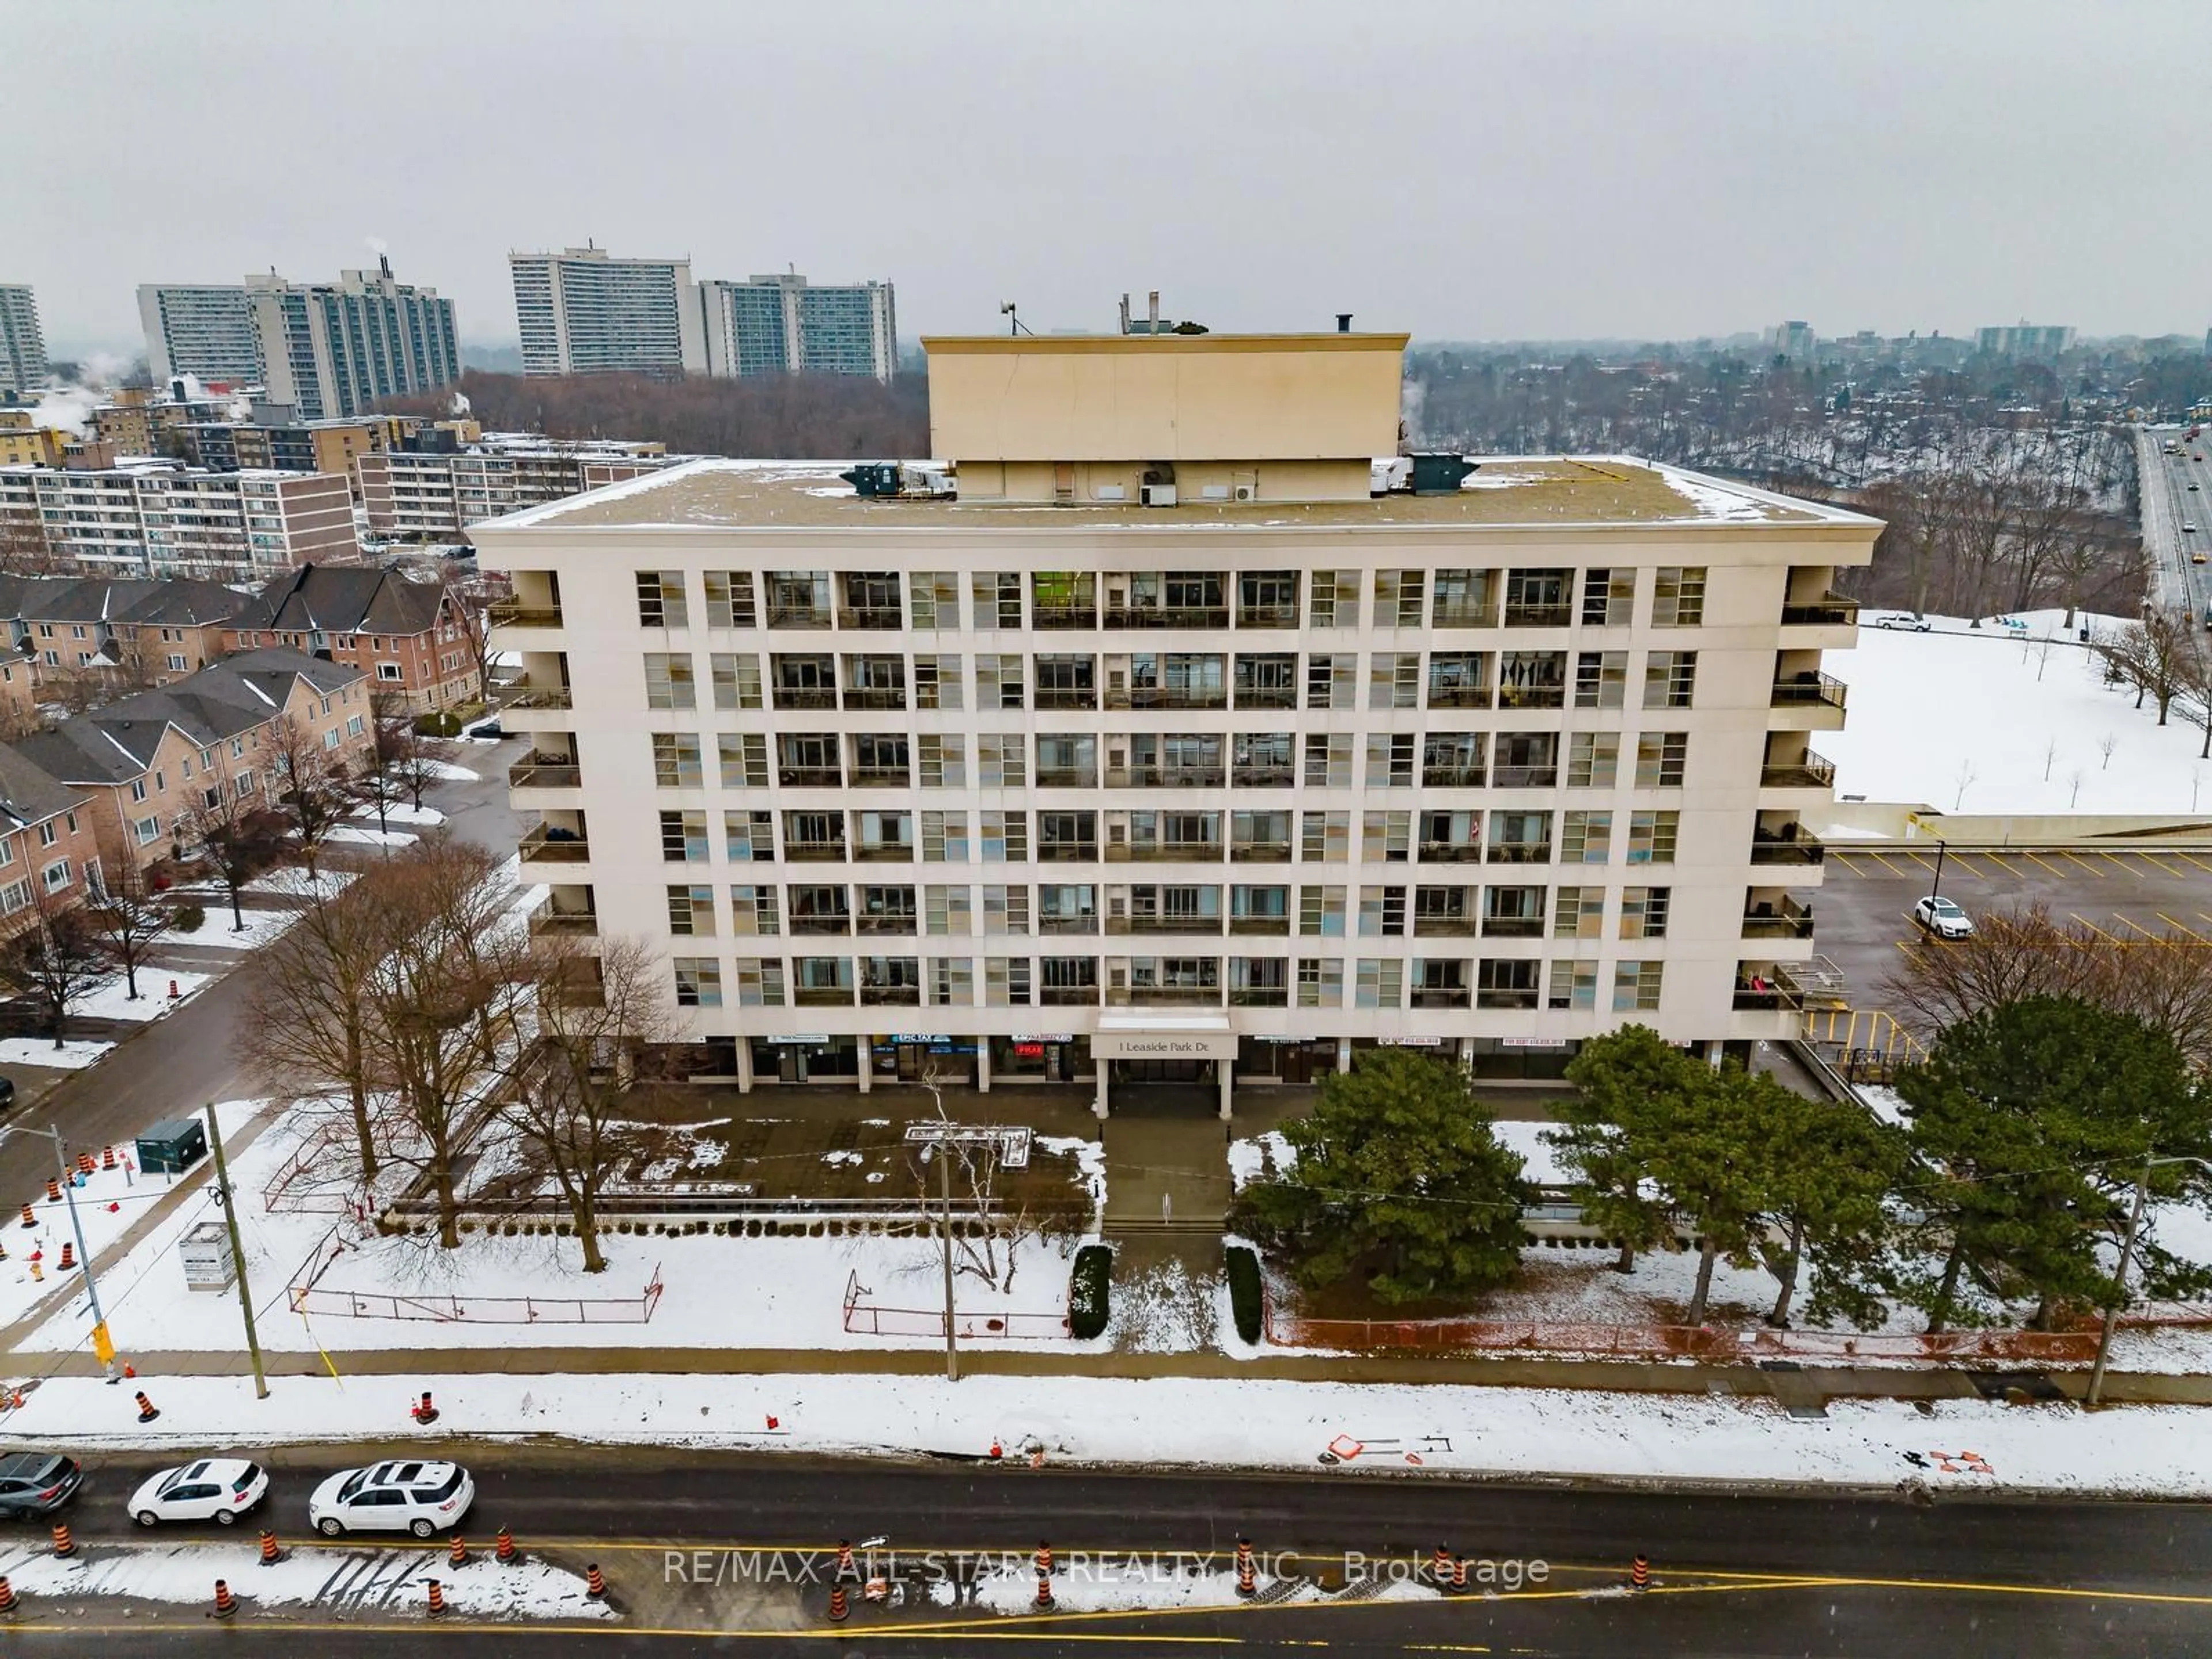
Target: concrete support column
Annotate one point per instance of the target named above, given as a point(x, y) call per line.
point(1344, 1053)
point(745, 1065)
point(1226, 1069)
point(1105, 1071)
point(1713, 1055)
point(867, 1059)
point(982, 1066)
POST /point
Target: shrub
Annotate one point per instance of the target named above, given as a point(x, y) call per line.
point(815, 1230)
point(1088, 1290)
point(188, 919)
point(753, 1227)
point(1244, 1291)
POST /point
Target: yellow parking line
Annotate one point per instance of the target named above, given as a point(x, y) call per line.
point(2093, 928)
point(2044, 863)
point(1925, 864)
point(2192, 859)
point(1957, 862)
point(2112, 858)
point(2152, 858)
point(2131, 922)
point(1886, 865)
point(2000, 864)
point(2180, 928)
point(1845, 859)
point(2085, 864)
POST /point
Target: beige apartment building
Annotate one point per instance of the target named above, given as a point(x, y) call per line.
point(1170, 726)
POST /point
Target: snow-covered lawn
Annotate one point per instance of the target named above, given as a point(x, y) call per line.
point(111, 998)
point(2000, 721)
point(40, 1051)
point(400, 811)
point(293, 882)
point(447, 771)
point(217, 932)
point(1244, 1423)
point(350, 1581)
point(370, 835)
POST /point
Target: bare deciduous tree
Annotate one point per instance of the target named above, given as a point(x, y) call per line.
point(2152, 656)
point(308, 785)
point(55, 960)
point(129, 916)
point(233, 830)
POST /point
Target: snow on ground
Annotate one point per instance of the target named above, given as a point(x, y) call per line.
point(111, 998)
point(363, 1580)
point(370, 835)
point(1085, 1584)
point(447, 771)
point(293, 882)
point(1540, 1158)
point(1262, 1154)
point(40, 1051)
point(400, 811)
point(1248, 1423)
point(1971, 721)
point(1164, 1309)
point(216, 932)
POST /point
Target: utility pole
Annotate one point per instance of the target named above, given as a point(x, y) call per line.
point(222, 1197)
point(53, 1133)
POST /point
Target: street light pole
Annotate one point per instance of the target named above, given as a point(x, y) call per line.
point(77, 1226)
point(1936, 886)
point(944, 1195)
point(2094, 1394)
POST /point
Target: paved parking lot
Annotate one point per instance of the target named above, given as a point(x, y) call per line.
point(1862, 916)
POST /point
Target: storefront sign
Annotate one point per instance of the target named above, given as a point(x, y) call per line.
point(812, 1037)
point(1041, 1037)
point(911, 1039)
point(1151, 1045)
point(1409, 1042)
point(1532, 1042)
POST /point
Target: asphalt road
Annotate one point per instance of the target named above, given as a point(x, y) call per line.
point(1737, 1575)
point(1862, 914)
point(2174, 548)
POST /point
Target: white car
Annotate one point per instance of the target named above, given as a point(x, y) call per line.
point(395, 1496)
point(1904, 619)
point(217, 1489)
point(1942, 918)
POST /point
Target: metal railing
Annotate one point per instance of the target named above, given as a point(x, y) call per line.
point(1209, 926)
point(1524, 777)
point(1813, 772)
point(565, 924)
point(1453, 777)
point(1263, 777)
point(1441, 996)
point(1520, 851)
point(887, 618)
point(540, 845)
point(1050, 697)
point(874, 697)
point(1809, 687)
point(814, 852)
point(804, 697)
point(1166, 616)
point(1789, 921)
point(555, 697)
point(1267, 615)
point(1512, 927)
point(534, 773)
point(1141, 996)
point(514, 613)
point(1832, 610)
point(1803, 850)
point(1452, 852)
point(1538, 616)
point(1161, 697)
point(814, 776)
point(1260, 852)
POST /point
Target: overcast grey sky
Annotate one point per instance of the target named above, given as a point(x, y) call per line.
point(1484, 169)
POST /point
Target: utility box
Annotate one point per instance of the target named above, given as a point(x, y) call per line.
point(205, 1253)
point(173, 1147)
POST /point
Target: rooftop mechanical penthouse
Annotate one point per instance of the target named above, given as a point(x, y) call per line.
point(1169, 725)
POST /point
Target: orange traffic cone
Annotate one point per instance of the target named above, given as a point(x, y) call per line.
point(225, 1603)
point(29, 1220)
point(997, 1450)
point(84, 1163)
point(7, 1596)
point(1044, 1593)
point(1639, 1575)
point(148, 1411)
point(69, 1256)
point(505, 1551)
point(437, 1599)
point(107, 1157)
point(1044, 1560)
point(423, 1411)
point(1459, 1577)
point(838, 1606)
point(53, 1190)
point(1247, 1582)
point(845, 1567)
point(129, 1371)
point(271, 1555)
point(64, 1546)
point(458, 1555)
point(1441, 1564)
point(595, 1582)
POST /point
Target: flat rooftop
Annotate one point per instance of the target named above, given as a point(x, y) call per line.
point(1505, 492)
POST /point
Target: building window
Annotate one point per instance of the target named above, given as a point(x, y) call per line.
point(946, 911)
point(14, 897)
point(1329, 760)
point(945, 837)
point(1661, 759)
point(48, 834)
point(933, 599)
point(1320, 982)
point(1574, 985)
point(1577, 912)
point(1585, 837)
point(1651, 837)
point(1670, 679)
point(390, 672)
point(1325, 837)
point(743, 759)
point(1636, 986)
point(692, 912)
point(56, 875)
point(176, 663)
point(937, 682)
point(138, 789)
point(660, 600)
point(1379, 982)
point(683, 837)
point(1394, 680)
point(1335, 598)
point(1005, 838)
point(1593, 759)
point(1000, 681)
point(1398, 595)
point(737, 679)
point(698, 982)
point(668, 683)
point(760, 982)
point(1006, 981)
point(1644, 912)
point(752, 910)
point(1002, 760)
point(730, 599)
point(356, 727)
point(1600, 679)
point(1608, 598)
point(747, 837)
point(1390, 760)
point(1678, 597)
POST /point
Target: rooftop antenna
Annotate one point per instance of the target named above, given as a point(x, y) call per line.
point(1014, 323)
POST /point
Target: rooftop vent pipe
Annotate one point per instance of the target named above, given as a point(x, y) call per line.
point(1343, 322)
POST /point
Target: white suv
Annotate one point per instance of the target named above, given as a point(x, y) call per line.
point(411, 1497)
point(1940, 917)
point(1904, 619)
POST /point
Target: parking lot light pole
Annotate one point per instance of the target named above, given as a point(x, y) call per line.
point(2094, 1394)
point(76, 1224)
point(1936, 886)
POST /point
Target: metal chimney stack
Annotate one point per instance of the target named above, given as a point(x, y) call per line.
point(1343, 322)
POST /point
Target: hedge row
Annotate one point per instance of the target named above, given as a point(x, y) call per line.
point(1244, 1291)
point(1089, 1290)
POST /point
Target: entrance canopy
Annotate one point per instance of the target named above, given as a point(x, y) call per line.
point(1147, 1036)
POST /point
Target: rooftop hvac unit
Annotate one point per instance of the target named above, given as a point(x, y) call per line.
point(1158, 495)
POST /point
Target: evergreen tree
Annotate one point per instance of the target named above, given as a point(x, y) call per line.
point(1830, 1170)
point(1629, 1084)
point(1399, 1175)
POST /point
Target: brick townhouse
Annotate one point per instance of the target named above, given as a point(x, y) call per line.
point(130, 631)
point(407, 636)
point(48, 844)
point(148, 759)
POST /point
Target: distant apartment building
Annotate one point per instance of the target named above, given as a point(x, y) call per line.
point(782, 325)
point(2035, 342)
point(23, 368)
point(25, 443)
point(150, 760)
point(1793, 340)
point(299, 447)
point(586, 312)
point(406, 638)
point(409, 495)
point(205, 331)
point(158, 518)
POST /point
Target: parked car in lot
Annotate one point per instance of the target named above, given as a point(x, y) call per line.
point(217, 1489)
point(37, 1483)
point(1942, 918)
point(394, 1496)
point(1904, 619)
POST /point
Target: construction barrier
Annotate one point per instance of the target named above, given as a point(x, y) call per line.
point(1247, 1581)
point(1639, 1575)
point(595, 1582)
point(458, 1555)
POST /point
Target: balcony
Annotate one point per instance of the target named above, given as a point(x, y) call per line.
point(1209, 926)
point(1259, 996)
point(1259, 851)
point(805, 697)
point(887, 618)
point(1063, 616)
point(1539, 616)
point(797, 615)
point(1532, 696)
point(1447, 615)
point(1166, 616)
point(1513, 928)
point(905, 925)
point(1510, 997)
point(1787, 920)
point(1050, 697)
point(1524, 777)
point(1267, 615)
point(1444, 926)
point(1767, 993)
point(517, 613)
point(822, 996)
point(545, 772)
point(1811, 773)
point(1164, 852)
point(555, 697)
point(883, 852)
point(879, 777)
point(564, 924)
point(1068, 996)
point(547, 844)
point(1453, 777)
point(814, 852)
point(1165, 777)
point(1460, 696)
point(875, 698)
point(1141, 996)
point(1264, 777)
point(1809, 687)
point(1260, 927)
point(1830, 610)
point(1161, 696)
point(836, 927)
point(1452, 852)
point(1521, 851)
point(1068, 925)
point(810, 777)
point(1067, 852)
point(891, 996)
point(1067, 777)
point(1787, 849)
point(1266, 697)
point(1447, 996)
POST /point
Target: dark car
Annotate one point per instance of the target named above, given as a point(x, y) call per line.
point(37, 1483)
point(7, 1095)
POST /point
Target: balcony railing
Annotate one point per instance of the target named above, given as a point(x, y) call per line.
point(1774, 994)
point(814, 852)
point(1524, 777)
point(838, 926)
point(1210, 925)
point(797, 615)
point(880, 777)
point(1260, 852)
point(884, 617)
point(1266, 697)
point(550, 697)
point(1067, 924)
point(1166, 616)
point(809, 776)
point(1785, 921)
point(561, 773)
point(1521, 851)
point(1444, 926)
point(1532, 696)
point(1067, 852)
point(1445, 996)
point(1539, 616)
point(876, 697)
point(1464, 616)
point(883, 852)
point(805, 696)
point(564, 924)
point(1777, 849)
point(1512, 927)
point(1261, 926)
point(1164, 852)
point(904, 924)
point(1809, 687)
point(1264, 777)
point(1830, 610)
point(1163, 995)
point(1460, 696)
point(1067, 777)
point(1161, 697)
point(1451, 852)
point(547, 845)
point(1813, 772)
point(1165, 777)
point(1068, 996)
point(1453, 777)
point(822, 996)
point(1507, 997)
point(1067, 696)
point(1259, 996)
point(1063, 616)
point(891, 996)
point(1267, 615)
point(514, 613)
